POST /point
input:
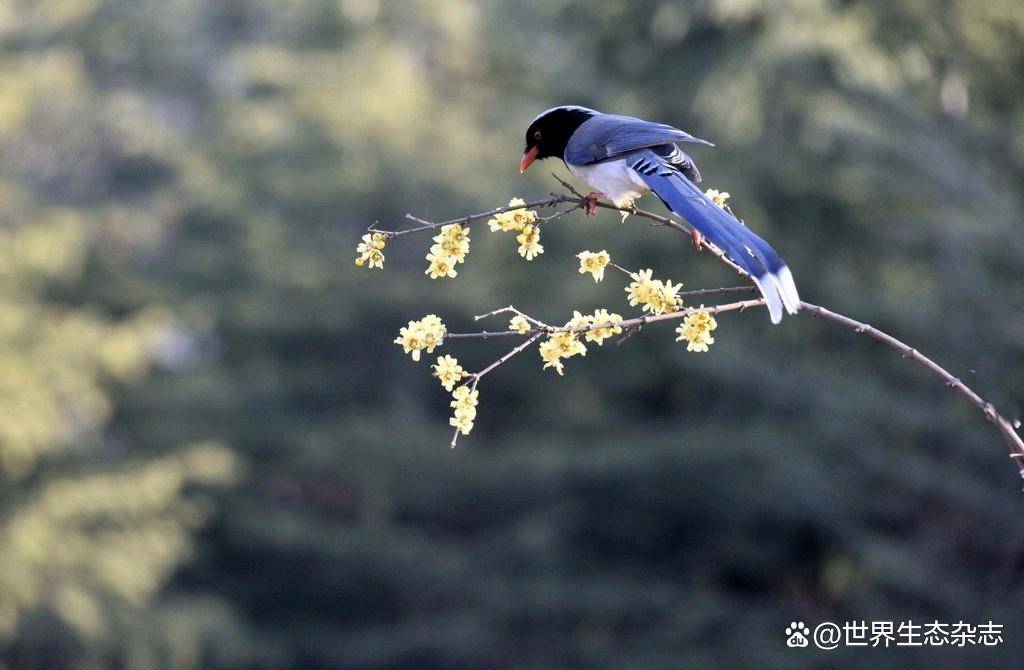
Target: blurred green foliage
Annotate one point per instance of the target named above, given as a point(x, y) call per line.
point(212, 455)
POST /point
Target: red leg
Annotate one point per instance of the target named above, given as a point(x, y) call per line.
point(592, 199)
point(698, 240)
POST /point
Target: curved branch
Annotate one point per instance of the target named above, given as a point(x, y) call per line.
point(1008, 429)
point(1010, 434)
point(555, 199)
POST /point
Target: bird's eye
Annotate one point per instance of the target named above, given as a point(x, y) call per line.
point(536, 134)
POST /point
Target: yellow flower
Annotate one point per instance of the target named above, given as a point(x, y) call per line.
point(449, 372)
point(441, 265)
point(502, 221)
point(453, 241)
point(666, 298)
point(718, 196)
point(696, 330)
point(656, 296)
point(369, 250)
point(465, 397)
point(551, 356)
point(529, 242)
point(519, 324)
point(515, 219)
point(563, 344)
point(464, 403)
point(463, 420)
point(426, 333)
point(450, 249)
point(578, 320)
point(641, 288)
point(594, 263)
point(599, 335)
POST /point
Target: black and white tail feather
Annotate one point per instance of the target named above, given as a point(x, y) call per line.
point(745, 248)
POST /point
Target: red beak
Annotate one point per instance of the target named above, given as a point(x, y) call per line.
point(528, 158)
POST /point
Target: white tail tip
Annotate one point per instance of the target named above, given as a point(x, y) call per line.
point(787, 289)
point(779, 291)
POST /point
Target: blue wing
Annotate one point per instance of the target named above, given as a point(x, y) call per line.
point(609, 135)
point(722, 229)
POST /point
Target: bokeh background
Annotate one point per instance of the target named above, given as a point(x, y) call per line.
point(212, 455)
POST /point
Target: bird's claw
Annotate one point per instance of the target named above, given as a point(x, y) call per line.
point(698, 240)
point(592, 199)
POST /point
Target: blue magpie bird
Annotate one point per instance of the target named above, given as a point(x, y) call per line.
point(623, 158)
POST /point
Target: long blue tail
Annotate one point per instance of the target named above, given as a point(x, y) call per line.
point(723, 230)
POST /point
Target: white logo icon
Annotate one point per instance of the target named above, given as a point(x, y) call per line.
point(796, 634)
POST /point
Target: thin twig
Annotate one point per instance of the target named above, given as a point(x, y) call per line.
point(630, 332)
point(716, 291)
point(486, 334)
point(620, 268)
point(625, 324)
point(477, 376)
point(559, 214)
point(1012, 437)
point(555, 199)
point(567, 186)
point(512, 310)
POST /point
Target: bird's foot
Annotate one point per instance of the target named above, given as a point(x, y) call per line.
point(592, 199)
point(698, 240)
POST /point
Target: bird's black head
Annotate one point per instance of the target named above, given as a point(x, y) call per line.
point(550, 132)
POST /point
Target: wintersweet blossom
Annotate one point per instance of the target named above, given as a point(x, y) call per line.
point(654, 295)
point(369, 250)
point(578, 320)
point(563, 344)
point(449, 249)
point(463, 420)
point(666, 298)
point(464, 402)
point(424, 334)
point(718, 196)
point(465, 397)
point(449, 372)
point(441, 265)
point(519, 324)
point(598, 318)
point(453, 241)
point(696, 330)
point(514, 219)
point(594, 263)
point(641, 288)
point(529, 242)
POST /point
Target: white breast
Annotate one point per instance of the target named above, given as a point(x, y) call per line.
point(619, 182)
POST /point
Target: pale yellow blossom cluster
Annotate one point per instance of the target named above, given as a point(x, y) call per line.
point(656, 296)
point(594, 263)
point(426, 333)
point(520, 324)
point(566, 344)
point(369, 250)
point(449, 372)
point(523, 221)
point(601, 317)
point(464, 403)
point(562, 344)
point(696, 330)
point(449, 249)
point(718, 196)
point(529, 242)
point(515, 219)
point(451, 245)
